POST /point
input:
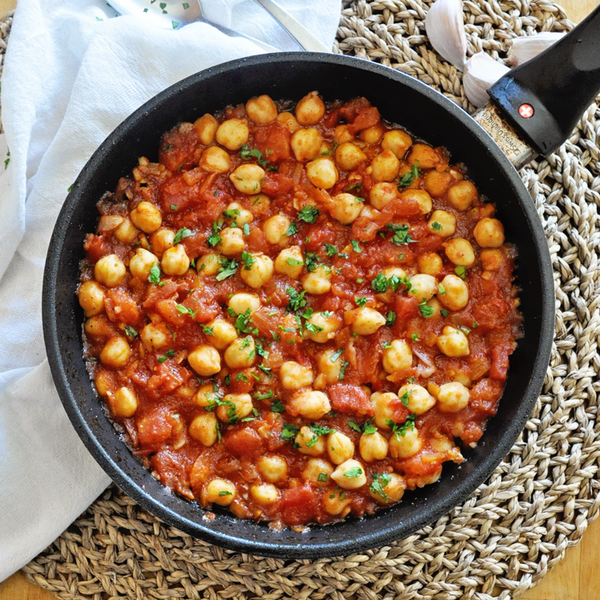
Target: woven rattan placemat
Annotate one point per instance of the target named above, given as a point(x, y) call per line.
point(538, 502)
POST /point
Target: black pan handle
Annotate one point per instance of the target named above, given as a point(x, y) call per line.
point(545, 97)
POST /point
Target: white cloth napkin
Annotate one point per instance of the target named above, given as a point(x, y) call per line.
point(73, 72)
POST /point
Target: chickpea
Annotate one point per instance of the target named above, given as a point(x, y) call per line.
point(318, 471)
point(146, 217)
point(453, 343)
point(110, 270)
point(330, 365)
point(366, 321)
point(204, 397)
point(239, 215)
point(260, 203)
point(317, 282)
point(430, 263)
point(397, 356)
point(264, 494)
point(223, 333)
point(455, 294)
point(346, 208)
point(98, 327)
point(453, 397)
point(442, 223)
point(397, 141)
point(124, 403)
point(340, 447)
point(208, 265)
point(215, 160)
point(248, 178)
point(116, 352)
point(141, 264)
point(175, 261)
point(275, 229)
point(261, 110)
point(294, 376)
point(337, 503)
point(204, 429)
point(422, 198)
point(392, 485)
point(424, 156)
point(205, 360)
point(322, 173)
point(382, 194)
point(489, 233)
point(309, 443)
point(290, 262)
point(232, 241)
point(218, 491)
point(161, 240)
point(206, 127)
point(310, 110)
point(460, 252)
point(342, 135)
point(384, 403)
point(233, 133)
point(348, 156)
point(241, 353)
point(419, 399)
point(306, 144)
point(373, 134)
point(288, 120)
point(103, 382)
point(385, 166)
point(259, 272)
point(326, 326)
point(235, 407)
point(309, 404)
point(372, 446)
point(91, 298)
point(126, 232)
point(491, 260)
point(437, 183)
point(423, 287)
point(242, 302)
point(350, 475)
point(462, 195)
point(154, 337)
point(273, 468)
point(406, 444)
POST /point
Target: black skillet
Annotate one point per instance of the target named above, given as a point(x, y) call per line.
point(425, 113)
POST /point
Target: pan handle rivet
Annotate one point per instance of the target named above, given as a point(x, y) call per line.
point(526, 111)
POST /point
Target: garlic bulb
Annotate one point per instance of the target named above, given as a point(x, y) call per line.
point(445, 29)
point(481, 71)
point(526, 47)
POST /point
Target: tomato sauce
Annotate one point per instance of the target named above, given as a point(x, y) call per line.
point(299, 311)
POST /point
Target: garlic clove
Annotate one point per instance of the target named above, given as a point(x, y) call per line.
point(445, 29)
point(481, 71)
point(526, 47)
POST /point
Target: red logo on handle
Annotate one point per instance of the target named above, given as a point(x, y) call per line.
point(526, 111)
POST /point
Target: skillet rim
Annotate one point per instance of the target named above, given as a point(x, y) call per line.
point(299, 549)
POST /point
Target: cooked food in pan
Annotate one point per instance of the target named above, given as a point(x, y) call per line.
point(299, 311)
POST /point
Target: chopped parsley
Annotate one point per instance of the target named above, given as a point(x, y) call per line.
point(214, 238)
point(289, 432)
point(390, 318)
point(436, 226)
point(367, 427)
point(401, 234)
point(322, 477)
point(461, 271)
point(356, 246)
point(246, 229)
point(309, 214)
point(154, 276)
point(248, 260)
point(360, 301)
point(330, 250)
point(444, 312)
point(227, 268)
point(336, 355)
point(297, 301)
point(232, 214)
point(414, 337)
point(130, 331)
point(266, 396)
point(292, 229)
point(246, 153)
point(183, 233)
point(312, 261)
point(441, 289)
point(241, 377)
point(208, 330)
point(225, 493)
point(294, 262)
point(353, 473)
point(379, 482)
point(277, 406)
point(426, 310)
point(345, 365)
point(410, 177)
point(400, 429)
point(184, 310)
